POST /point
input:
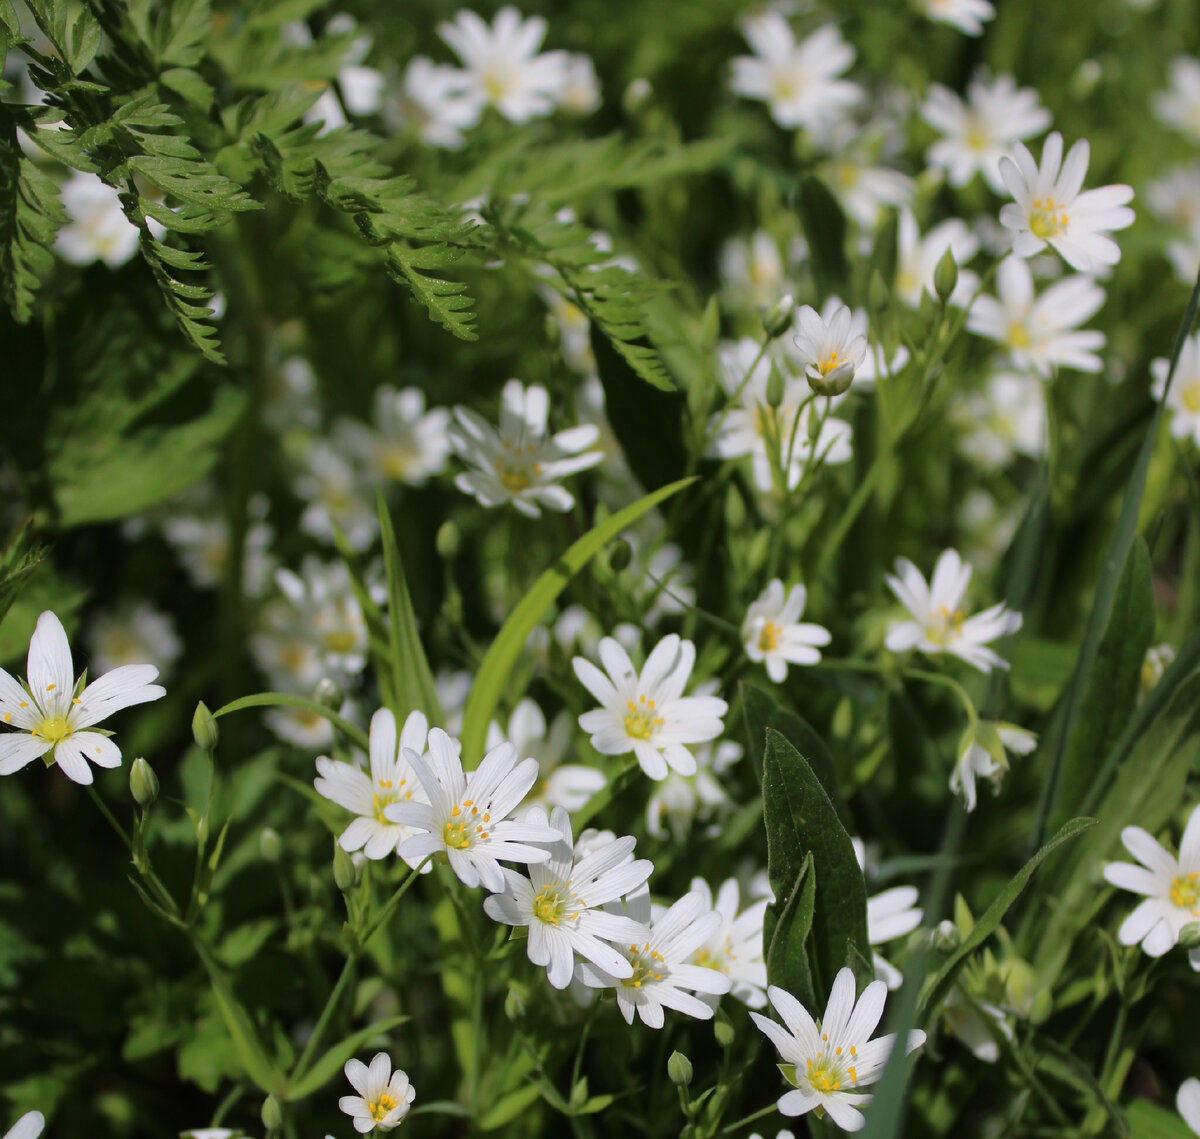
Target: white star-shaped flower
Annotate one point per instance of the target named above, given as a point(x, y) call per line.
point(830, 351)
point(1187, 1101)
point(1179, 105)
point(977, 761)
point(29, 1126)
point(918, 258)
point(1183, 400)
point(736, 947)
point(967, 16)
point(53, 715)
point(773, 634)
point(384, 1096)
point(434, 104)
point(408, 443)
point(98, 229)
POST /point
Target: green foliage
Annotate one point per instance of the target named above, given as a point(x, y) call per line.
point(30, 216)
point(825, 230)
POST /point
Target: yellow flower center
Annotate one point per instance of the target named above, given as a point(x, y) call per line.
point(52, 729)
point(829, 363)
point(1047, 219)
point(768, 639)
point(945, 627)
point(1189, 395)
point(1018, 335)
point(556, 904)
point(827, 1074)
point(640, 720)
point(382, 1106)
point(1185, 889)
point(720, 961)
point(340, 640)
point(465, 826)
point(646, 966)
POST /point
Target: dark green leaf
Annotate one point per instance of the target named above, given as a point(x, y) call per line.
point(825, 231)
point(787, 953)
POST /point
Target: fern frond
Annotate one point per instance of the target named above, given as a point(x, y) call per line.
point(30, 216)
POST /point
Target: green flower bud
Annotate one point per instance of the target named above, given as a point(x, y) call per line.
point(778, 318)
point(679, 1068)
point(270, 845)
point(516, 1000)
point(710, 325)
point(143, 783)
point(345, 873)
point(1020, 985)
point(723, 1029)
point(448, 541)
point(620, 555)
point(637, 94)
point(328, 693)
point(945, 277)
point(836, 383)
point(204, 728)
point(272, 1114)
point(775, 388)
point(945, 937)
point(579, 1093)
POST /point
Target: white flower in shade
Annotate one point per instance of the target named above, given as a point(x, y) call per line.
point(938, 625)
point(567, 785)
point(660, 968)
point(736, 947)
point(1179, 105)
point(799, 80)
point(752, 271)
point(985, 757)
point(1041, 333)
point(201, 540)
point(408, 444)
point(209, 1133)
point(384, 1096)
point(365, 795)
point(1175, 197)
point(520, 464)
point(1006, 419)
point(835, 1057)
point(966, 1017)
point(968, 16)
point(574, 331)
point(1157, 660)
point(337, 493)
point(29, 1126)
point(135, 634)
point(466, 818)
point(830, 350)
point(559, 903)
point(305, 728)
point(51, 714)
point(1170, 885)
point(864, 190)
point(579, 93)
point(875, 364)
point(977, 133)
point(890, 915)
point(1049, 208)
point(361, 88)
point(433, 104)
point(773, 634)
point(1183, 400)
point(502, 67)
point(1187, 1101)
point(918, 257)
point(452, 689)
point(679, 800)
point(648, 713)
point(98, 229)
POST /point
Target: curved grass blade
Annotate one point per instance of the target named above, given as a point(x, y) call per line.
point(351, 731)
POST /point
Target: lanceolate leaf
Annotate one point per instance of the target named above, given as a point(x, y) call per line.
point(787, 952)
point(329, 1065)
point(351, 731)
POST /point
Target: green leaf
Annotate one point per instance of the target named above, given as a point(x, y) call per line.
point(508, 1107)
point(825, 231)
point(801, 823)
point(17, 564)
point(446, 301)
point(787, 954)
point(938, 988)
point(351, 731)
point(496, 666)
point(329, 1065)
point(1149, 1121)
point(1113, 686)
point(30, 216)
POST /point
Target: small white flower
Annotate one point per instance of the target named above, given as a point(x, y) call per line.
point(875, 365)
point(1041, 333)
point(336, 492)
point(560, 902)
point(964, 1017)
point(567, 785)
point(830, 351)
point(864, 190)
point(832, 1059)
point(1187, 1101)
point(29, 1126)
point(1179, 105)
point(501, 66)
point(918, 257)
point(798, 80)
point(659, 962)
point(1006, 419)
point(466, 818)
point(1175, 197)
point(580, 90)
point(209, 1133)
point(366, 794)
point(890, 914)
point(676, 803)
point(967, 16)
point(1171, 887)
point(938, 625)
point(773, 635)
point(979, 762)
point(51, 714)
point(434, 104)
point(98, 229)
point(736, 947)
point(136, 634)
point(1049, 208)
point(201, 540)
point(408, 444)
point(1157, 660)
point(520, 464)
point(977, 133)
point(1183, 400)
point(752, 271)
point(384, 1096)
point(305, 728)
point(574, 330)
point(648, 714)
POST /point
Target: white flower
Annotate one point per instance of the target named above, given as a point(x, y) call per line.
point(675, 803)
point(1187, 1101)
point(98, 229)
point(1158, 658)
point(567, 785)
point(1179, 105)
point(502, 67)
point(305, 728)
point(53, 715)
point(1175, 197)
point(383, 1096)
point(466, 817)
point(1049, 209)
point(830, 351)
point(661, 583)
point(520, 464)
point(832, 1059)
point(938, 625)
point(752, 272)
point(366, 795)
point(135, 634)
point(977, 761)
point(864, 190)
point(201, 540)
point(773, 635)
point(798, 80)
point(918, 257)
point(29, 1126)
point(874, 366)
point(408, 445)
point(574, 330)
point(434, 104)
point(1183, 400)
point(209, 1133)
point(1041, 333)
point(336, 492)
point(979, 132)
point(891, 914)
point(648, 714)
point(560, 902)
point(964, 1017)
point(736, 946)
point(1006, 419)
point(1171, 887)
point(580, 90)
point(660, 969)
point(967, 16)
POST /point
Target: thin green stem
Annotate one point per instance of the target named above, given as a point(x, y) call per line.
point(746, 1120)
point(392, 902)
point(164, 895)
point(310, 1049)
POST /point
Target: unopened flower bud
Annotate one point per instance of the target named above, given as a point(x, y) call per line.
point(775, 388)
point(836, 383)
point(778, 318)
point(723, 1029)
point(143, 783)
point(270, 845)
point(579, 1093)
point(710, 325)
point(204, 728)
point(679, 1068)
point(1020, 985)
point(516, 1000)
point(448, 541)
point(328, 693)
point(620, 556)
point(1189, 936)
point(345, 873)
point(272, 1114)
point(636, 95)
point(945, 277)
point(945, 937)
